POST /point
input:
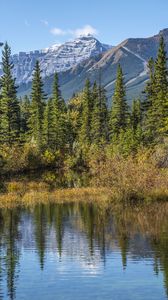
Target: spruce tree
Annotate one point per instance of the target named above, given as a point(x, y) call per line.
point(150, 87)
point(161, 88)
point(87, 107)
point(99, 115)
point(57, 98)
point(136, 123)
point(25, 109)
point(37, 107)
point(119, 112)
point(59, 124)
point(9, 105)
point(48, 127)
point(136, 114)
point(156, 94)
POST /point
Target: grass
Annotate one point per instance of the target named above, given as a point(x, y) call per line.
point(132, 178)
point(31, 193)
point(115, 179)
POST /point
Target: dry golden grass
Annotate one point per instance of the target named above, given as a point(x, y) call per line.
point(132, 178)
point(115, 179)
point(33, 193)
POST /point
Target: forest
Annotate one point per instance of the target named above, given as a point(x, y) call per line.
point(123, 147)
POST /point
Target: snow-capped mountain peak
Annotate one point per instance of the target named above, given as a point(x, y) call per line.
point(57, 58)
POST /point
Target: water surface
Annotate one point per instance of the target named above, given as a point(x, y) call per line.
point(83, 251)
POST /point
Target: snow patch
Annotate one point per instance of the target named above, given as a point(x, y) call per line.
point(57, 58)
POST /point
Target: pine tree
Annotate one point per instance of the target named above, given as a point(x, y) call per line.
point(87, 107)
point(58, 118)
point(136, 114)
point(99, 115)
point(161, 87)
point(119, 113)
point(57, 98)
point(136, 123)
point(37, 107)
point(156, 92)
point(48, 129)
point(150, 87)
point(25, 109)
point(9, 106)
point(104, 112)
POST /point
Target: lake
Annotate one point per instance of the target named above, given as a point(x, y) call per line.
point(79, 251)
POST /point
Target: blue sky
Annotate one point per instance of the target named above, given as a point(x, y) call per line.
point(36, 24)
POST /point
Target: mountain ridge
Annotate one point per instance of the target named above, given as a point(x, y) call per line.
point(94, 58)
point(57, 58)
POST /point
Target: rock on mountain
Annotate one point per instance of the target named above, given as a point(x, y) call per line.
point(85, 58)
point(58, 58)
point(133, 55)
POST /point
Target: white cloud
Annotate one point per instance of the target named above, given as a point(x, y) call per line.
point(58, 31)
point(87, 29)
point(45, 22)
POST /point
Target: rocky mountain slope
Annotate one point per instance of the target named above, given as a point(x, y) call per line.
point(58, 58)
point(132, 54)
point(85, 58)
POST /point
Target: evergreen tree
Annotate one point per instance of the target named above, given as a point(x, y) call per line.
point(136, 123)
point(9, 106)
point(119, 113)
point(37, 107)
point(87, 107)
point(57, 98)
point(75, 115)
point(99, 115)
point(161, 88)
point(150, 87)
point(48, 128)
point(59, 124)
point(156, 91)
point(25, 110)
point(136, 115)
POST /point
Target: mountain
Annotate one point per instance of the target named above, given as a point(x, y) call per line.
point(85, 58)
point(58, 58)
point(133, 55)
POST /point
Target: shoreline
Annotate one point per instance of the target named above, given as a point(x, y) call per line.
point(32, 193)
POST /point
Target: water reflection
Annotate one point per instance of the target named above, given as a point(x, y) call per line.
point(87, 242)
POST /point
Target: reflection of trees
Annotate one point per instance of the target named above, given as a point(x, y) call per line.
point(93, 223)
point(104, 228)
point(10, 233)
point(1, 254)
point(40, 220)
point(151, 222)
point(122, 237)
point(59, 213)
point(160, 248)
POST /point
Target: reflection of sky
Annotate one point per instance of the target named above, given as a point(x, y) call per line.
point(70, 279)
point(80, 274)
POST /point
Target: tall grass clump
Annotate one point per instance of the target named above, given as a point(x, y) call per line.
point(135, 177)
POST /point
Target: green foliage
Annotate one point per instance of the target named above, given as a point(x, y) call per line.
point(55, 124)
point(87, 107)
point(48, 125)
point(52, 134)
point(119, 112)
point(156, 94)
point(25, 113)
point(99, 123)
point(37, 107)
point(9, 106)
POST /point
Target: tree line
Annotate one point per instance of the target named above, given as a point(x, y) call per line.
point(73, 129)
